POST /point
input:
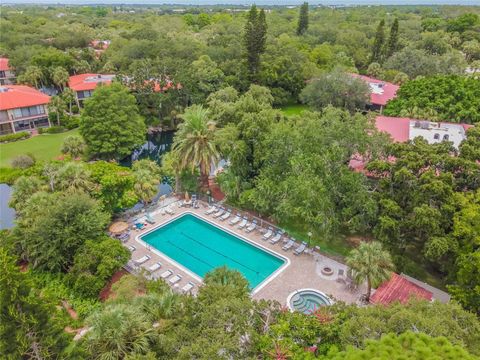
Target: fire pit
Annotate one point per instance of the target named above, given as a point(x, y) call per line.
point(327, 271)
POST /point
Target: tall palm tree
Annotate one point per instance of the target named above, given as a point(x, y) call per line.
point(33, 75)
point(69, 97)
point(57, 106)
point(117, 331)
point(146, 185)
point(369, 262)
point(60, 76)
point(195, 143)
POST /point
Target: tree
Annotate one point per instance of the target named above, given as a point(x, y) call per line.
point(117, 331)
point(60, 77)
point(462, 104)
point(33, 75)
point(392, 43)
point(370, 263)
point(147, 178)
point(74, 177)
point(409, 345)
point(94, 264)
point(68, 96)
point(23, 188)
point(57, 106)
point(303, 19)
point(194, 142)
point(338, 89)
point(73, 145)
point(223, 278)
point(254, 40)
point(53, 226)
point(29, 326)
point(110, 123)
point(204, 78)
point(378, 43)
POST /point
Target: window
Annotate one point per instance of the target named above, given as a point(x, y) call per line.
point(28, 111)
point(2, 74)
point(436, 136)
point(84, 94)
point(445, 137)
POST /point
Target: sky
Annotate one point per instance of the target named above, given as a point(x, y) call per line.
point(248, 2)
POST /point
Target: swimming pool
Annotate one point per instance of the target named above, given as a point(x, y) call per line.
point(200, 247)
point(307, 300)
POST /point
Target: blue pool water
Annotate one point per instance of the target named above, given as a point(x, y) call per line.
point(201, 247)
point(307, 301)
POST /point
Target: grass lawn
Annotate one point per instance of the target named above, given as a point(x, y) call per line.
point(43, 147)
point(294, 109)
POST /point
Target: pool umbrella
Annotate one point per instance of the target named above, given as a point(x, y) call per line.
point(118, 227)
point(187, 197)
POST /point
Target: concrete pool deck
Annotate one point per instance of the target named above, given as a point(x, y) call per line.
point(304, 271)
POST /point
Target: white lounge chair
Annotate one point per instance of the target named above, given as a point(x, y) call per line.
point(236, 219)
point(226, 215)
point(154, 267)
point(169, 210)
point(243, 223)
point(131, 248)
point(175, 279)
point(219, 213)
point(142, 260)
point(288, 245)
point(166, 274)
point(268, 234)
point(276, 238)
point(300, 249)
point(252, 226)
point(187, 288)
point(211, 210)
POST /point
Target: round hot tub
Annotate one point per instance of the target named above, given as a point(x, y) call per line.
point(307, 300)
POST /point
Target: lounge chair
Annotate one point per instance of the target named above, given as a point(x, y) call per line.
point(300, 249)
point(236, 219)
point(243, 223)
point(277, 237)
point(149, 219)
point(166, 274)
point(142, 260)
point(124, 237)
point(169, 210)
point(226, 215)
point(219, 213)
point(187, 288)
point(162, 211)
point(288, 245)
point(131, 248)
point(211, 210)
point(139, 226)
point(252, 226)
point(175, 279)
point(154, 267)
point(195, 204)
point(268, 234)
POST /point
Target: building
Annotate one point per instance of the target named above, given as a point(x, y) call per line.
point(7, 75)
point(405, 129)
point(380, 92)
point(99, 46)
point(84, 84)
point(22, 108)
point(401, 288)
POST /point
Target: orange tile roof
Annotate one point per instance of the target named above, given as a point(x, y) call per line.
point(388, 90)
point(17, 96)
point(88, 81)
point(4, 64)
point(399, 289)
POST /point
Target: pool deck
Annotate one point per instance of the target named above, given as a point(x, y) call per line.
point(304, 271)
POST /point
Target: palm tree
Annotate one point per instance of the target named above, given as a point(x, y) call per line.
point(194, 142)
point(146, 185)
point(33, 75)
point(117, 331)
point(69, 97)
point(74, 176)
point(370, 263)
point(73, 145)
point(60, 76)
point(57, 106)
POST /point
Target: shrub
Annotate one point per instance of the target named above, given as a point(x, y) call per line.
point(23, 161)
point(14, 137)
point(54, 130)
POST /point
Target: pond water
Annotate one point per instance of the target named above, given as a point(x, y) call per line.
point(7, 214)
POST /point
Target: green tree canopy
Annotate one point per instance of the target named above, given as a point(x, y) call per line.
point(110, 123)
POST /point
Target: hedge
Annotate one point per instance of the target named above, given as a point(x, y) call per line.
point(14, 137)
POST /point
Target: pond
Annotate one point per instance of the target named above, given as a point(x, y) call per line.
point(7, 214)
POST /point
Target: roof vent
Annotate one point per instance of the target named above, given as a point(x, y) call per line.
point(425, 125)
point(417, 124)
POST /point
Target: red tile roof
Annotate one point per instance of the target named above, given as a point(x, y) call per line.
point(399, 289)
point(398, 128)
point(88, 81)
point(4, 64)
point(17, 96)
point(388, 90)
